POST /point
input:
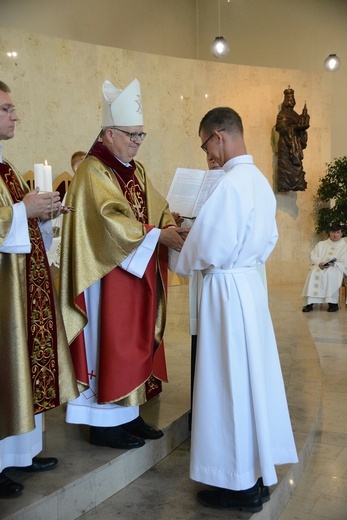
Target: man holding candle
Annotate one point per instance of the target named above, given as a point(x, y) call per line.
point(113, 278)
point(34, 355)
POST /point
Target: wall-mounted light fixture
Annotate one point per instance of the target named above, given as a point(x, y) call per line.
point(219, 47)
point(332, 63)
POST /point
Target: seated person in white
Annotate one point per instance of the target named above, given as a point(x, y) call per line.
point(329, 265)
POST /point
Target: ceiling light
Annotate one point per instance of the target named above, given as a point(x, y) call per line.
point(219, 47)
point(332, 63)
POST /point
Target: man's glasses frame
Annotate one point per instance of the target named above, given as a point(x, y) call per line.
point(203, 146)
point(8, 109)
point(134, 136)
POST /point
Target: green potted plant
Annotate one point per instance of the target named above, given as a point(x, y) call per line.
point(332, 196)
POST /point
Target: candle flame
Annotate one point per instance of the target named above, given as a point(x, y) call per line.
point(46, 163)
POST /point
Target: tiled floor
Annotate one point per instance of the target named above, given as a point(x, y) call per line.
point(322, 490)
point(86, 474)
point(165, 492)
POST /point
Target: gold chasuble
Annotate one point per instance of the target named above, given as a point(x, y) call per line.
point(36, 373)
point(115, 206)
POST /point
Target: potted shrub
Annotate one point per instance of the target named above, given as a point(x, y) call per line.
point(332, 196)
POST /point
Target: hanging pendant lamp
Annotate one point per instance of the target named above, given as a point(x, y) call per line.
point(219, 47)
point(332, 63)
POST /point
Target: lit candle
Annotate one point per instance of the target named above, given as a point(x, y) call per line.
point(39, 177)
point(47, 170)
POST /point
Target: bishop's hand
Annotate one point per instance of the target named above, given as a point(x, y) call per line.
point(173, 237)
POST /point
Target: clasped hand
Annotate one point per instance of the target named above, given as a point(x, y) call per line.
point(323, 266)
point(44, 206)
point(173, 237)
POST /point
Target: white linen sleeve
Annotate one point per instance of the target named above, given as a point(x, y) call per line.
point(47, 233)
point(17, 240)
point(270, 246)
point(136, 263)
point(173, 259)
point(316, 255)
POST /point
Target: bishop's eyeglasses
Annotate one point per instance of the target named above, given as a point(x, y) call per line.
point(134, 136)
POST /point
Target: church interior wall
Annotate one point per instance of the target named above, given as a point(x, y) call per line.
point(275, 33)
point(56, 85)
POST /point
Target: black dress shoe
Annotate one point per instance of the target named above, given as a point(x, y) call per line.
point(114, 437)
point(308, 308)
point(248, 500)
point(40, 464)
point(9, 488)
point(333, 307)
point(139, 428)
point(264, 490)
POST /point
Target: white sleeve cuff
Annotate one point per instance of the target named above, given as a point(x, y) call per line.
point(17, 240)
point(47, 233)
point(136, 263)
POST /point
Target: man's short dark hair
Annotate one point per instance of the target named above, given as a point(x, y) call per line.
point(4, 87)
point(335, 226)
point(221, 117)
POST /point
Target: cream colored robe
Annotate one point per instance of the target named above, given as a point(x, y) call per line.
point(322, 285)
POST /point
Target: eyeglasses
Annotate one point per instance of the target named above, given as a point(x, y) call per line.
point(134, 136)
point(9, 110)
point(203, 146)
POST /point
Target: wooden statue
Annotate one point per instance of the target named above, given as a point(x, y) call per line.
point(292, 129)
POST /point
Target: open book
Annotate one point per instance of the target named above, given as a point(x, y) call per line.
point(329, 262)
point(189, 190)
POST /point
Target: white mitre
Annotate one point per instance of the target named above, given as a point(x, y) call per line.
point(121, 107)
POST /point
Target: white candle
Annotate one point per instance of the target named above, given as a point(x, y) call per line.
point(39, 177)
point(47, 169)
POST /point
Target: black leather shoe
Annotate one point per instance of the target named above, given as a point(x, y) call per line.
point(40, 464)
point(264, 490)
point(9, 488)
point(308, 308)
point(114, 437)
point(248, 500)
point(139, 428)
point(333, 307)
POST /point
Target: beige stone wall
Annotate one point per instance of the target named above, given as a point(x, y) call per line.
point(56, 85)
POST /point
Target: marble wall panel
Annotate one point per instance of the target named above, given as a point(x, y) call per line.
point(56, 85)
